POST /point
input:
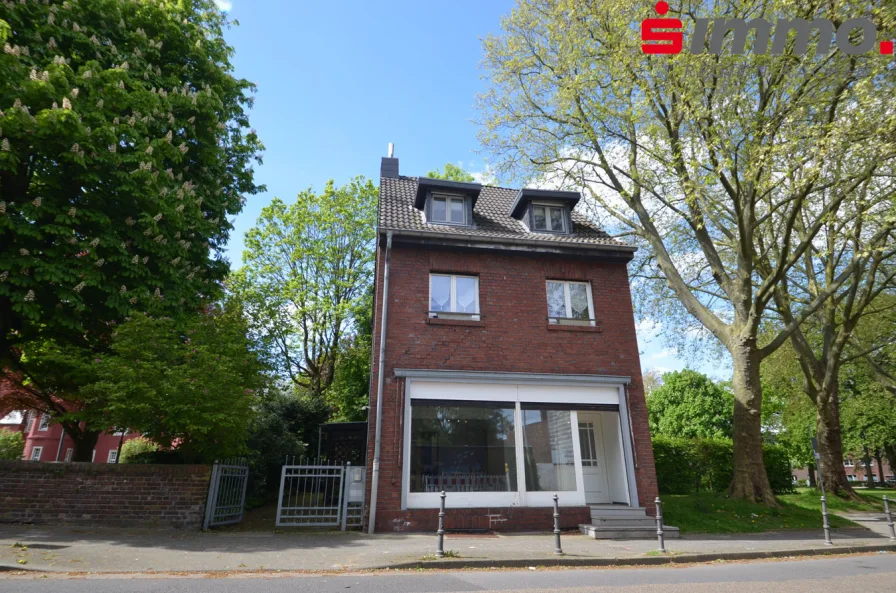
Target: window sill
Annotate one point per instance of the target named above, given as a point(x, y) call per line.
point(463, 322)
point(574, 328)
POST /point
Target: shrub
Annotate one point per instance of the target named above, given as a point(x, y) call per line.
point(134, 447)
point(686, 466)
point(12, 445)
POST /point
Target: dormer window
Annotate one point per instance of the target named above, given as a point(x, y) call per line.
point(545, 211)
point(446, 202)
point(447, 209)
point(548, 218)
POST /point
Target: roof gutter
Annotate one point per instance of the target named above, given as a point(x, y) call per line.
point(378, 432)
point(544, 246)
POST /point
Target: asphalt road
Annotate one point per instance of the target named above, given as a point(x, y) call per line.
point(869, 574)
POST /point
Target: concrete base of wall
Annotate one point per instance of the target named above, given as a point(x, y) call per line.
point(485, 519)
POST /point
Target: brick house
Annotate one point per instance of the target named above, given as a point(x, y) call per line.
point(509, 370)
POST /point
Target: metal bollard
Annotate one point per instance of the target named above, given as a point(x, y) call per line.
point(659, 524)
point(827, 526)
point(889, 518)
point(440, 551)
point(557, 549)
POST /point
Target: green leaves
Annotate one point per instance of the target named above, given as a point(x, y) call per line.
point(124, 150)
point(689, 404)
point(306, 267)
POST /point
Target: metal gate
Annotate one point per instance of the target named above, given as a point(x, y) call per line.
point(226, 493)
point(321, 496)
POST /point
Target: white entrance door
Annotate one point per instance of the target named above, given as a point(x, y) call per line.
point(594, 467)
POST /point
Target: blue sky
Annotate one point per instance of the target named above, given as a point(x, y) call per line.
point(338, 81)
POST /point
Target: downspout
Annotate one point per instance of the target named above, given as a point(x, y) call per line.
point(378, 434)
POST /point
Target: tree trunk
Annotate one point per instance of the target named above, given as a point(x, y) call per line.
point(869, 473)
point(830, 443)
point(85, 443)
point(890, 451)
point(750, 479)
point(880, 467)
point(813, 483)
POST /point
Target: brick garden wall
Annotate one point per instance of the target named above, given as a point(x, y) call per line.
point(103, 494)
point(512, 336)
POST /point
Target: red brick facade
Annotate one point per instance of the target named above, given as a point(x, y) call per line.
point(512, 336)
point(103, 494)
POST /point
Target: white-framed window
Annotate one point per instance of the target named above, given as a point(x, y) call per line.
point(44, 422)
point(548, 218)
point(68, 454)
point(570, 302)
point(445, 209)
point(848, 463)
point(113, 456)
point(29, 422)
point(35, 453)
point(496, 445)
point(453, 296)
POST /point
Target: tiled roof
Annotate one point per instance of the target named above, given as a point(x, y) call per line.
point(491, 217)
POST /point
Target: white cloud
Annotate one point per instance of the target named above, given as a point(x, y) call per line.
point(224, 5)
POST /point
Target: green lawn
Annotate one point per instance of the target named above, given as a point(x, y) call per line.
point(714, 513)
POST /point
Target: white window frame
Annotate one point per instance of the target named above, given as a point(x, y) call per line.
point(39, 451)
point(570, 320)
point(113, 456)
point(448, 199)
point(44, 422)
point(68, 455)
point(514, 394)
point(93, 456)
point(29, 423)
point(848, 463)
point(547, 218)
point(452, 302)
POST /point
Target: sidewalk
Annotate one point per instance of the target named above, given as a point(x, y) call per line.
point(62, 549)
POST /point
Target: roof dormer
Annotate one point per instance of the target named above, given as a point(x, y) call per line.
point(545, 211)
point(447, 202)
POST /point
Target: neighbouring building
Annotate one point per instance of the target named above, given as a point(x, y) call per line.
point(46, 441)
point(510, 368)
point(854, 467)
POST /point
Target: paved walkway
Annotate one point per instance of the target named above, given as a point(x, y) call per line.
point(68, 549)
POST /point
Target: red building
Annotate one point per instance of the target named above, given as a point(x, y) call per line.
point(45, 441)
point(510, 368)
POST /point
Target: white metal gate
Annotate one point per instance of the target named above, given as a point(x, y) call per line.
point(226, 493)
point(321, 496)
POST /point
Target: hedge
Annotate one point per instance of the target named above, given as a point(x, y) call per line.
point(686, 466)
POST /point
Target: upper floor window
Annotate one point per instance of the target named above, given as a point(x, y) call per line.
point(848, 463)
point(44, 422)
point(570, 302)
point(549, 218)
point(30, 422)
point(454, 296)
point(446, 209)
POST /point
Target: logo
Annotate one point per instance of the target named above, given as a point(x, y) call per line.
point(664, 35)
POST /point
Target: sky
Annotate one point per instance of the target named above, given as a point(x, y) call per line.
point(338, 81)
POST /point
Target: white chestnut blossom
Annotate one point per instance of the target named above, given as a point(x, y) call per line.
point(36, 202)
point(24, 252)
point(29, 296)
point(72, 211)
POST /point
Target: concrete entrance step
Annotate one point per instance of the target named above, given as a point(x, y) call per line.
point(642, 521)
point(617, 511)
point(626, 532)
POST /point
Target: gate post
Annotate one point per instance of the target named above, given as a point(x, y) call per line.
point(212, 499)
point(346, 486)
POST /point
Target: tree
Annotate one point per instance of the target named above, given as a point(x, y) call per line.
point(695, 156)
point(689, 404)
point(860, 237)
point(452, 173)
point(651, 380)
point(12, 445)
point(348, 395)
point(124, 149)
point(306, 268)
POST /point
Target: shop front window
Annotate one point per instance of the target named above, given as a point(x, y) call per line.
point(462, 447)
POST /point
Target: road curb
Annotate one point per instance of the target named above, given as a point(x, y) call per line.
point(639, 561)
point(560, 561)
